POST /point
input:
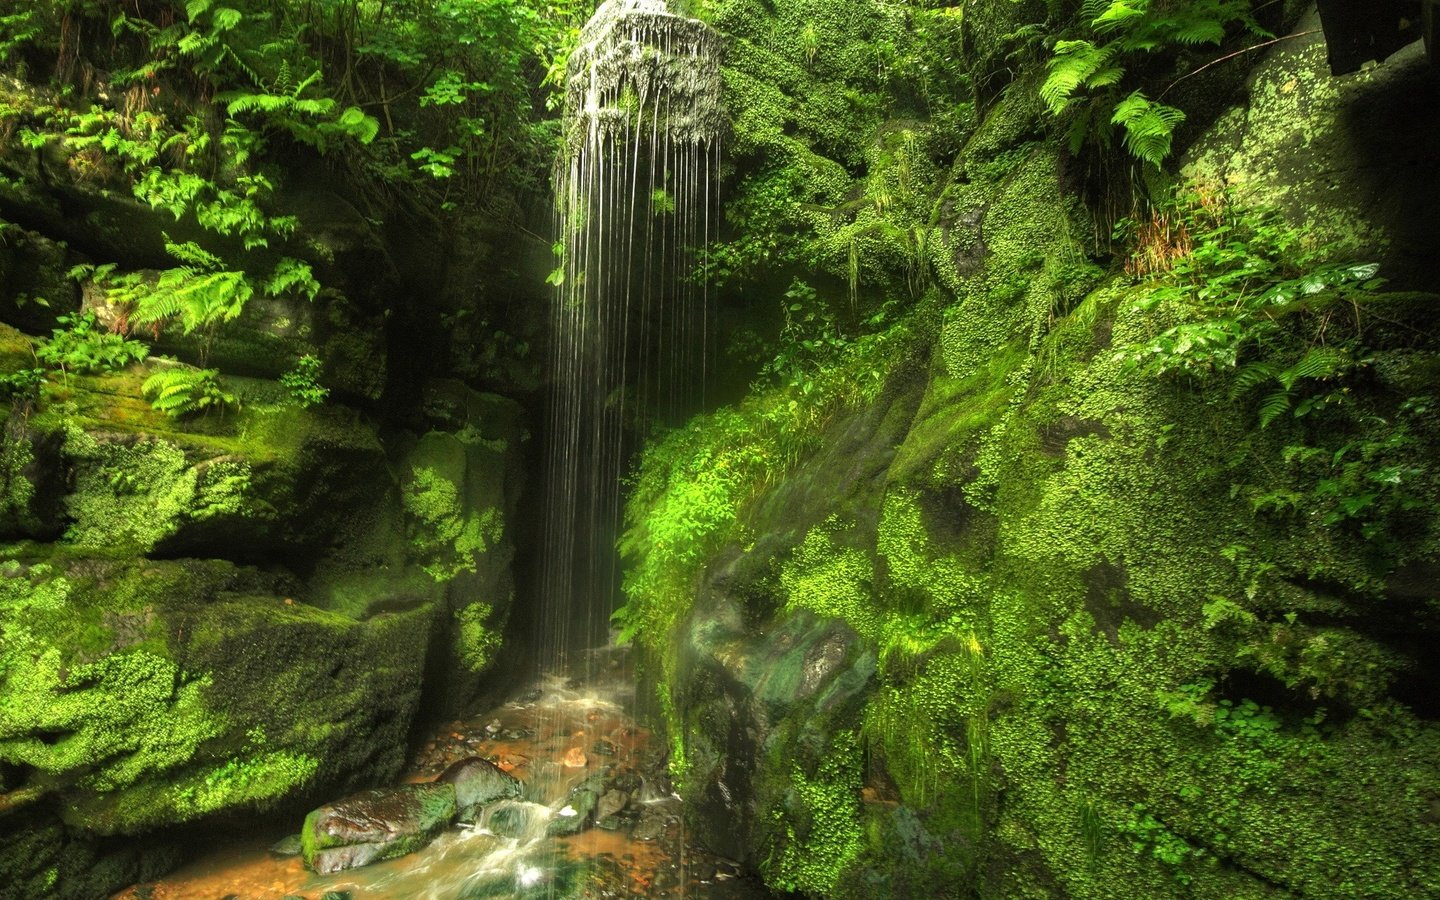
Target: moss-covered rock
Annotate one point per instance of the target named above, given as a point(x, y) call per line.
point(478, 782)
point(1350, 157)
point(1084, 631)
point(375, 825)
point(270, 478)
point(34, 287)
point(139, 694)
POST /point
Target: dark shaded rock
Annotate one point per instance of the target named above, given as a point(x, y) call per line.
point(287, 846)
point(34, 289)
point(478, 782)
point(375, 825)
point(1350, 158)
point(653, 822)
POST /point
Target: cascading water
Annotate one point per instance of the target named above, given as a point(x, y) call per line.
point(636, 196)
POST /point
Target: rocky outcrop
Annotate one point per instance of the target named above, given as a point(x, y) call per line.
point(478, 782)
point(1025, 620)
point(1352, 157)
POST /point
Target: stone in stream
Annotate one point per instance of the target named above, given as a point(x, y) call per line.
point(579, 810)
point(286, 846)
point(478, 782)
point(375, 825)
point(611, 802)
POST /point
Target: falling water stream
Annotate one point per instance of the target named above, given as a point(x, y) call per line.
point(637, 203)
point(636, 200)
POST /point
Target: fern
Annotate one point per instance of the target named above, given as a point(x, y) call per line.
point(1317, 364)
point(1251, 376)
point(1149, 127)
point(194, 298)
point(1273, 406)
point(193, 254)
point(1093, 64)
point(180, 391)
point(1117, 14)
point(292, 274)
point(1076, 65)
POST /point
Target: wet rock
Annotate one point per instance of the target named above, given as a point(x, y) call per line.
point(509, 821)
point(574, 758)
point(652, 824)
point(286, 846)
point(375, 825)
point(579, 812)
point(477, 782)
point(611, 802)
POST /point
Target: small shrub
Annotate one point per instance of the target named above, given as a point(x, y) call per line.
point(303, 382)
point(82, 347)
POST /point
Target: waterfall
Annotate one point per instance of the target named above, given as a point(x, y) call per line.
point(637, 203)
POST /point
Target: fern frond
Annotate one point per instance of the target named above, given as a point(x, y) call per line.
point(308, 80)
point(182, 390)
point(1091, 10)
point(225, 18)
point(1200, 31)
point(1274, 405)
point(1319, 362)
point(1119, 14)
point(292, 274)
point(192, 253)
point(1072, 67)
point(1251, 376)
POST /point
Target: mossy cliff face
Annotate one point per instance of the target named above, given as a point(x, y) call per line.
point(983, 609)
point(140, 693)
point(246, 608)
point(151, 675)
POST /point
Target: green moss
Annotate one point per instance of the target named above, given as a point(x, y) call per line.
point(1065, 575)
point(116, 719)
point(696, 484)
point(821, 823)
point(148, 693)
point(476, 640)
point(832, 582)
point(16, 489)
point(449, 537)
point(127, 495)
point(420, 811)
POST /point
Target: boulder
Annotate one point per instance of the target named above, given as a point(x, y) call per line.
point(478, 782)
point(375, 825)
point(141, 693)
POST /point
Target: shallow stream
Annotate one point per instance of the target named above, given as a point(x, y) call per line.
point(553, 735)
